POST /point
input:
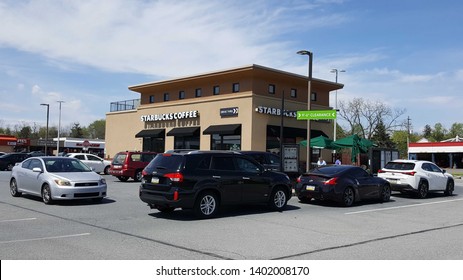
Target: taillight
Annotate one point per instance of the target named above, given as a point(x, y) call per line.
point(175, 177)
point(381, 171)
point(299, 179)
point(412, 173)
point(144, 173)
point(332, 181)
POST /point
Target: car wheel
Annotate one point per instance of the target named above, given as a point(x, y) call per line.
point(165, 209)
point(10, 166)
point(278, 199)
point(123, 178)
point(386, 193)
point(348, 197)
point(206, 205)
point(423, 189)
point(14, 188)
point(138, 176)
point(450, 187)
point(106, 170)
point(46, 194)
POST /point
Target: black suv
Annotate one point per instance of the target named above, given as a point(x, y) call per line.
point(268, 160)
point(205, 180)
point(7, 161)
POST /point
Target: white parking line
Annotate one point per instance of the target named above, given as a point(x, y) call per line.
point(18, 220)
point(404, 206)
point(44, 238)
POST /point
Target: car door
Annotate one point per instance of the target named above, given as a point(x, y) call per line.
point(227, 178)
point(439, 180)
point(255, 187)
point(30, 180)
point(95, 162)
point(367, 186)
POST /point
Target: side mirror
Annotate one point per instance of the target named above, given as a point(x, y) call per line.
point(37, 169)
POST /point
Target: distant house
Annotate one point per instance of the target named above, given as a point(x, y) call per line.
point(447, 153)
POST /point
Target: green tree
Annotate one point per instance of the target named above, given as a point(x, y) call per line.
point(399, 138)
point(381, 137)
point(427, 131)
point(77, 131)
point(456, 130)
point(97, 129)
point(438, 133)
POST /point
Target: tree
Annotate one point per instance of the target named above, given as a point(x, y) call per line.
point(455, 130)
point(363, 116)
point(97, 129)
point(77, 131)
point(427, 131)
point(438, 133)
point(381, 137)
point(399, 138)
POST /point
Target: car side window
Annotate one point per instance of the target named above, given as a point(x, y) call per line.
point(246, 165)
point(26, 164)
point(223, 163)
point(358, 173)
point(81, 157)
point(426, 167)
point(93, 158)
point(135, 157)
point(435, 168)
point(274, 158)
point(205, 163)
point(35, 163)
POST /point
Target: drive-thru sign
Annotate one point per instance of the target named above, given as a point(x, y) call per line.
point(316, 115)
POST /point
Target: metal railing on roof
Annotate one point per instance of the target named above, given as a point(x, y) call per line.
point(124, 105)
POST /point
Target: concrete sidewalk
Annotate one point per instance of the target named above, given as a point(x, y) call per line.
point(456, 172)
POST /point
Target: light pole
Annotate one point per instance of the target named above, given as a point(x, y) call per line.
point(46, 135)
point(309, 97)
point(336, 71)
point(59, 127)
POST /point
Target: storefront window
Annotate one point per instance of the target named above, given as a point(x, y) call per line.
point(152, 144)
point(186, 142)
point(225, 142)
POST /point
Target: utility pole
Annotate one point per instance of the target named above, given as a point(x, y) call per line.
point(408, 135)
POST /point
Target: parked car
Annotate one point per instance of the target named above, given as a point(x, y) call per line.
point(205, 180)
point(56, 178)
point(417, 176)
point(36, 154)
point(98, 164)
point(345, 184)
point(9, 160)
point(130, 164)
point(270, 161)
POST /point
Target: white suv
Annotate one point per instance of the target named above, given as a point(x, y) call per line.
point(98, 164)
point(417, 176)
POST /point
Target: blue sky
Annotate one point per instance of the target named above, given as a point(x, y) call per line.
point(405, 53)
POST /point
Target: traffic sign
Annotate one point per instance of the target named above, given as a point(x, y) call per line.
point(316, 115)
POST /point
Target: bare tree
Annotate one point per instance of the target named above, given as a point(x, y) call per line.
point(363, 116)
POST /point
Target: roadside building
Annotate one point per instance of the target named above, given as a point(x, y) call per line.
point(446, 154)
point(234, 109)
point(7, 143)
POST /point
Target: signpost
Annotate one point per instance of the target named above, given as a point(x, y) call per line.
point(316, 115)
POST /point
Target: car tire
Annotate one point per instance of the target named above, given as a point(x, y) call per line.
point(46, 194)
point(138, 176)
point(449, 188)
point(106, 170)
point(14, 188)
point(278, 199)
point(348, 197)
point(423, 189)
point(123, 178)
point(206, 205)
point(386, 193)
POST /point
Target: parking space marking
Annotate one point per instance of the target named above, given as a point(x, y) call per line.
point(44, 238)
point(18, 220)
point(403, 206)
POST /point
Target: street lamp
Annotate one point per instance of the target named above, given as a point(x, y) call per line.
point(46, 135)
point(309, 97)
point(336, 99)
point(59, 127)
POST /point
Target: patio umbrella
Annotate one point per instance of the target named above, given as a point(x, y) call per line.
point(319, 142)
point(358, 145)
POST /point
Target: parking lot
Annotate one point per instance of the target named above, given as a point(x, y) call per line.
point(124, 228)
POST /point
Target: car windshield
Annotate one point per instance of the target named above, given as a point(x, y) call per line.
point(171, 162)
point(329, 170)
point(59, 165)
point(400, 165)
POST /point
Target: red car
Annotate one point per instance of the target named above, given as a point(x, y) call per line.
point(130, 164)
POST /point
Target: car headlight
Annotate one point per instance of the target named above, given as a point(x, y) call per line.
point(60, 182)
point(103, 181)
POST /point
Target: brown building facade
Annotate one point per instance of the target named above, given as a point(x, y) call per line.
point(235, 109)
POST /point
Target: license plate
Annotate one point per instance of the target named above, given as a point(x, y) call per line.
point(310, 188)
point(155, 180)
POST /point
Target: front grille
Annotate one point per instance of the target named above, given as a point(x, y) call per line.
point(86, 184)
point(86, 194)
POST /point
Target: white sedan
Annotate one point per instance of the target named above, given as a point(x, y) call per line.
point(56, 178)
point(98, 164)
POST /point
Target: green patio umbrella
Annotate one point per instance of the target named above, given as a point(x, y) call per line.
point(358, 145)
point(319, 142)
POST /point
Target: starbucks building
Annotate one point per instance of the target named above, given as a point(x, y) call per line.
point(234, 109)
